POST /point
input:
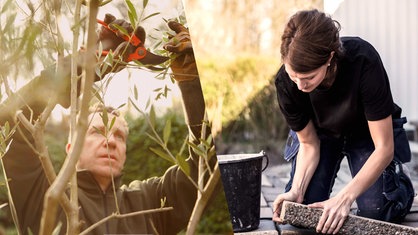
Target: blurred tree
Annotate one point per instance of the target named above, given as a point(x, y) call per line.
point(237, 45)
point(141, 162)
point(231, 27)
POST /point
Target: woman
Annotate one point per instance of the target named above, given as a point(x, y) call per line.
point(335, 95)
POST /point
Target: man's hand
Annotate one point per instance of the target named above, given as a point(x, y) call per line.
point(127, 44)
point(184, 64)
point(336, 210)
point(112, 39)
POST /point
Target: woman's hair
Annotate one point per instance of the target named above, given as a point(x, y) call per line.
point(308, 40)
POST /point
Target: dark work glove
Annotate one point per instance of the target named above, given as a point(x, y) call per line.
point(59, 81)
point(112, 39)
point(124, 48)
point(183, 65)
point(116, 41)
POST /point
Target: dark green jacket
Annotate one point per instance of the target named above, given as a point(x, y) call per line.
point(28, 182)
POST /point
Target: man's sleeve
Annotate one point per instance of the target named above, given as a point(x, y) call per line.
point(178, 190)
point(22, 166)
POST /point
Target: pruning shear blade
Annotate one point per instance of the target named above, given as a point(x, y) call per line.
point(141, 54)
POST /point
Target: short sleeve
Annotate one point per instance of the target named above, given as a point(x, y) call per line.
point(294, 104)
point(375, 88)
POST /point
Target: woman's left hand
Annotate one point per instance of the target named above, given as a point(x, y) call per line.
point(335, 211)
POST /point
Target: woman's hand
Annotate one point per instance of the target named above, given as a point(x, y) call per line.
point(277, 204)
point(335, 211)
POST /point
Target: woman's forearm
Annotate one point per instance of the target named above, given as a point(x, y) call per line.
point(306, 163)
point(307, 159)
point(382, 134)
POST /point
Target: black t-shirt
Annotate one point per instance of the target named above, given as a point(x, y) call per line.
point(360, 92)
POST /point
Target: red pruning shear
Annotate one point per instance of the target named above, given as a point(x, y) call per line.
point(140, 51)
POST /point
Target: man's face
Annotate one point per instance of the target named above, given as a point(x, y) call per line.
point(103, 155)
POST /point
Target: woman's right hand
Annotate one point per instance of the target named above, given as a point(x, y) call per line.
point(277, 204)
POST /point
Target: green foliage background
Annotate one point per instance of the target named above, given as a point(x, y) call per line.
point(142, 163)
point(249, 118)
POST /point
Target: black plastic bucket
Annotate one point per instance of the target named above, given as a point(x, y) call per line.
point(241, 178)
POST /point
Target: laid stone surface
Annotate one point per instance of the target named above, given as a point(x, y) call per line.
point(265, 182)
point(266, 227)
point(266, 213)
point(288, 229)
point(303, 216)
point(263, 202)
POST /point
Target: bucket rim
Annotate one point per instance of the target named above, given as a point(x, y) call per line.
point(240, 157)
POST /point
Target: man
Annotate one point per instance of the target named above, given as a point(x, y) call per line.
point(104, 154)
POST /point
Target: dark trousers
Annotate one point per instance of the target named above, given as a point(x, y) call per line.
point(389, 198)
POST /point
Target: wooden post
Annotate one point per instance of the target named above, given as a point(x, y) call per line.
point(303, 216)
